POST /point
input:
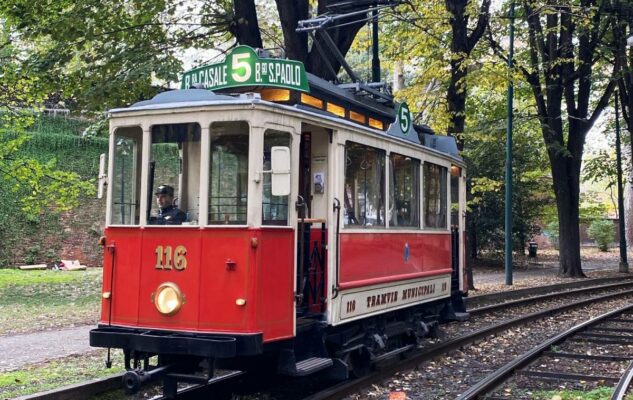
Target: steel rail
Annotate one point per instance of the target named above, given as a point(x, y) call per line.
point(350, 387)
point(82, 390)
point(493, 380)
point(534, 299)
point(623, 385)
point(491, 298)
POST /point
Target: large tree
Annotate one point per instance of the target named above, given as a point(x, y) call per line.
point(566, 69)
point(464, 38)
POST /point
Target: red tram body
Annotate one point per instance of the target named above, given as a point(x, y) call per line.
point(324, 231)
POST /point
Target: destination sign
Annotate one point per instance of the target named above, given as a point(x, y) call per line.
point(242, 67)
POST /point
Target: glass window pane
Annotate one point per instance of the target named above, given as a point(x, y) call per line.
point(228, 177)
point(174, 174)
point(364, 198)
point(404, 191)
point(126, 179)
point(274, 208)
point(455, 199)
point(435, 192)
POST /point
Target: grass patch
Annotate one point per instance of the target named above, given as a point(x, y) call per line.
point(58, 373)
point(601, 393)
point(37, 300)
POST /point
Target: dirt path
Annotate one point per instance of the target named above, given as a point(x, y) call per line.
point(31, 348)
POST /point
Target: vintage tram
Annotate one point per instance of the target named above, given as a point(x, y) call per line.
point(323, 230)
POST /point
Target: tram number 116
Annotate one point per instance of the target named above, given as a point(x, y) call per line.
point(166, 258)
point(351, 306)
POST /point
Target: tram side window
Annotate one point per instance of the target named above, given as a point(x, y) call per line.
point(274, 208)
point(364, 197)
point(404, 189)
point(174, 173)
point(228, 177)
point(435, 192)
point(126, 176)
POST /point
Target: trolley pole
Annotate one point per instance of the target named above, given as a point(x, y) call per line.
point(375, 61)
point(508, 208)
point(624, 265)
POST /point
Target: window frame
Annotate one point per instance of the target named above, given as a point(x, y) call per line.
point(149, 190)
point(249, 134)
point(267, 177)
point(381, 154)
point(445, 201)
point(138, 154)
point(418, 190)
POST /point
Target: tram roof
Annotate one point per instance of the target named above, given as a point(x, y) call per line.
point(185, 98)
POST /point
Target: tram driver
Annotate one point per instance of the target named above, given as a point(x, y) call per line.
point(168, 214)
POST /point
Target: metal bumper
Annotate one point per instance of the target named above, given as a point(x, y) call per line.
point(165, 342)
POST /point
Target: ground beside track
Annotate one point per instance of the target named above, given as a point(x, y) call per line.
point(489, 277)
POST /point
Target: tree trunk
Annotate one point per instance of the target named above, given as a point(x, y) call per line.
point(566, 179)
point(245, 27)
point(462, 45)
point(290, 13)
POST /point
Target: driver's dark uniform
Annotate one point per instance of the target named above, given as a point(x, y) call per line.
point(169, 215)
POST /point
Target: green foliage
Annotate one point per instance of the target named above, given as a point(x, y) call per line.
point(601, 168)
point(61, 372)
point(14, 277)
point(44, 144)
point(602, 231)
point(101, 53)
point(47, 298)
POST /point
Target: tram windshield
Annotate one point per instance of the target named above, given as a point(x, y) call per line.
point(228, 175)
point(174, 175)
point(126, 176)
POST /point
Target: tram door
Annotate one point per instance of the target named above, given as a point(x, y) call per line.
point(312, 213)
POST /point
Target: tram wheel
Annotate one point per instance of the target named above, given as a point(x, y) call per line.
point(358, 362)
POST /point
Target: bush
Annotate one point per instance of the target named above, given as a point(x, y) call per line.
point(601, 231)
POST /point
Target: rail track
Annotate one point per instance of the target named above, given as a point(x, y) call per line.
point(222, 387)
point(431, 352)
point(542, 367)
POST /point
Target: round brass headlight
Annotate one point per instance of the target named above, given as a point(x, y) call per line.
point(168, 298)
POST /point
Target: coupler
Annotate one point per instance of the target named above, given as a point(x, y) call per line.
point(135, 378)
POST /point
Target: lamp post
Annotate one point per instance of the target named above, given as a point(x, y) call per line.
point(508, 193)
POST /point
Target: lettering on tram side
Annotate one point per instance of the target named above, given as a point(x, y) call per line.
point(368, 301)
point(168, 259)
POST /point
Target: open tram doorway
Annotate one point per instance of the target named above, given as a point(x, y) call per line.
point(313, 205)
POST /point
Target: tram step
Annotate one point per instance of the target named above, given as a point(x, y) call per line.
point(312, 365)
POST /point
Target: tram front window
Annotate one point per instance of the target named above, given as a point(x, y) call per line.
point(228, 175)
point(274, 208)
point(125, 176)
point(174, 175)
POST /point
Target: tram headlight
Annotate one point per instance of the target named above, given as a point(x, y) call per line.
point(168, 298)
